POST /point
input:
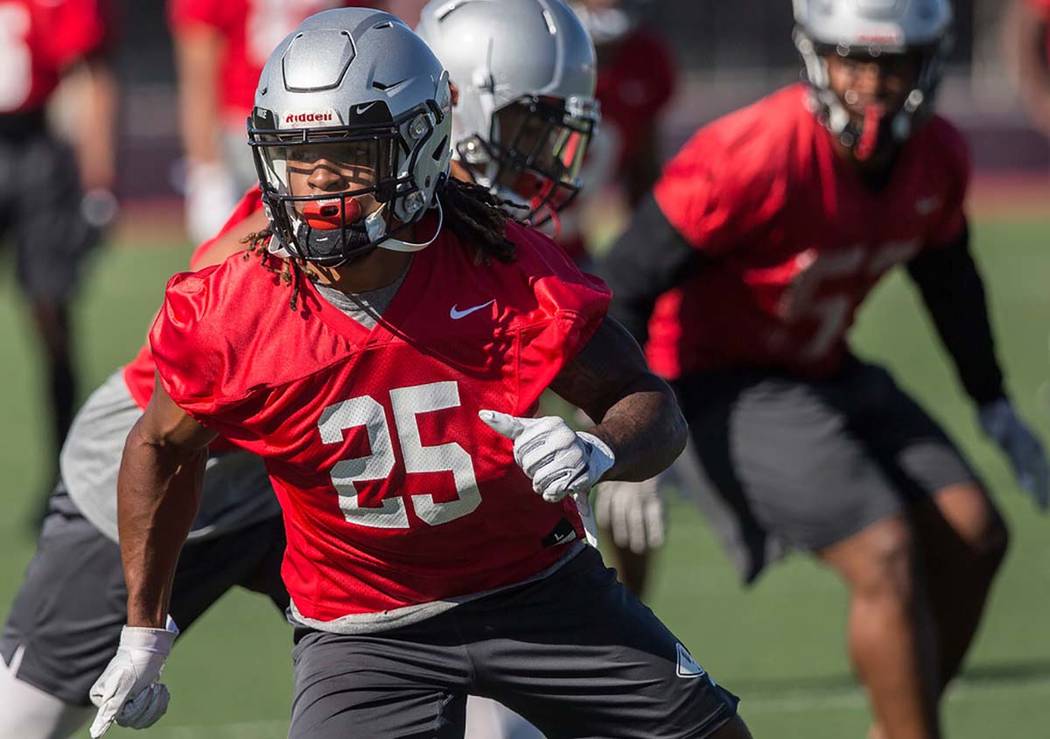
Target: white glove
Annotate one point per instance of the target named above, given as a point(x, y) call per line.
point(558, 460)
point(210, 196)
point(1024, 450)
point(633, 512)
point(127, 691)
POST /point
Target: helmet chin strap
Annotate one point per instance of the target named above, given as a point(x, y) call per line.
point(403, 246)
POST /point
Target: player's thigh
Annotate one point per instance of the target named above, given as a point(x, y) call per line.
point(784, 468)
point(399, 683)
point(49, 231)
point(66, 619)
point(578, 655)
point(953, 514)
point(913, 449)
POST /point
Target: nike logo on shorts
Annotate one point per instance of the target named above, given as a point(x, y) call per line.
point(455, 314)
point(687, 666)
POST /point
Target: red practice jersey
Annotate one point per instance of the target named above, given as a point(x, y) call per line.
point(636, 79)
point(250, 30)
point(394, 492)
point(1042, 9)
point(795, 240)
point(139, 373)
point(39, 40)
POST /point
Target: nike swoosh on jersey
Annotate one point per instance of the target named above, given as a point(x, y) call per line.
point(455, 314)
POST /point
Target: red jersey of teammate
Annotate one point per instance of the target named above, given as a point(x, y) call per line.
point(39, 39)
point(636, 78)
point(139, 372)
point(394, 492)
point(1042, 8)
point(250, 29)
point(794, 238)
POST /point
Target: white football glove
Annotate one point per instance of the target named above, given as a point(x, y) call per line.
point(558, 460)
point(128, 691)
point(633, 512)
point(1024, 450)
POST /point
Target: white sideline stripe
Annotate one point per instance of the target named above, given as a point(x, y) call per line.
point(843, 699)
point(799, 702)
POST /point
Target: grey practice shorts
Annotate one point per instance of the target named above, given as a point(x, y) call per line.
point(789, 463)
point(40, 215)
point(574, 653)
point(72, 604)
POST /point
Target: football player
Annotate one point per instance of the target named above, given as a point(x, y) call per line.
point(1027, 46)
point(744, 271)
point(385, 357)
point(220, 48)
point(524, 72)
point(54, 201)
point(65, 623)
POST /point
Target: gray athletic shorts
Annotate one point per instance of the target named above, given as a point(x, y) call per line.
point(68, 614)
point(789, 463)
point(40, 201)
point(574, 653)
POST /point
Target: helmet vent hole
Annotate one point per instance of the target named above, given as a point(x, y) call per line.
point(384, 24)
point(440, 150)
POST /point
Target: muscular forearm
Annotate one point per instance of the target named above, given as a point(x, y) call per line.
point(636, 412)
point(645, 429)
point(158, 492)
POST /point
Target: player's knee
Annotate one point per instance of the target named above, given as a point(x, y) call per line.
point(883, 565)
point(976, 524)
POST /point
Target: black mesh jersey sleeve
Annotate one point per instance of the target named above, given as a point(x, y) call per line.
point(952, 289)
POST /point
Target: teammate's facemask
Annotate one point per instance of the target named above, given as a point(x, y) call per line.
point(534, 152)
point(879, 123)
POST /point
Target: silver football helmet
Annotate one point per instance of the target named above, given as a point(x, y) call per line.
point(525, 70)
point(356, 88)
point(874, 27)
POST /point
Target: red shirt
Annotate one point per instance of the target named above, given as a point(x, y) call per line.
point(794, 238)
point(636, 79)
point(139, 372)
point(39, 39)
point(250, 30)
point(394, 492)
point(1042, 9)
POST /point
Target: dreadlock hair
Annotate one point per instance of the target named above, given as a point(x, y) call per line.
point(473, 213)
point(478, 217)
point(289, 271)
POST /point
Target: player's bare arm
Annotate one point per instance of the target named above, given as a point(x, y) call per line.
point(637, 414)
point(158, 492)
point(197, 58)
point(1024, 48)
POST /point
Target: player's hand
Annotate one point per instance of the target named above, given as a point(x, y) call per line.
point(558, 460)
point(633, 512)
point(128, 691)
point(1024, 450)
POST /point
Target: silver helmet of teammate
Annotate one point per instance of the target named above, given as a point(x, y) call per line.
point(525, 70)
point(357, 88)
point(874, 28)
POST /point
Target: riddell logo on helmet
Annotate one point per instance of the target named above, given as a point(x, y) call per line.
point(309, 117)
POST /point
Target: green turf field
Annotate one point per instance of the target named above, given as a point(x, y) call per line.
point(780, 646)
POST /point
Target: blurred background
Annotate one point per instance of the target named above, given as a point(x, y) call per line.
point(776, 645)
